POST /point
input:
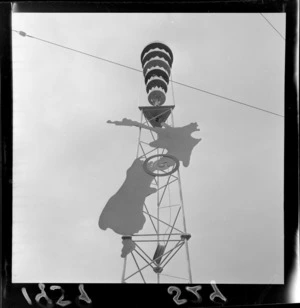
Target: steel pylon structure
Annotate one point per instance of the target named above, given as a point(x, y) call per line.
point(161, 251)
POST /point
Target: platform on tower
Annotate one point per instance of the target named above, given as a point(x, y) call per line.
point(156, 114)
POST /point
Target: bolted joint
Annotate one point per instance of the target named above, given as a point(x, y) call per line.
point(126, 237)
point(185, 236)
point(22, 33)
point(157, 269)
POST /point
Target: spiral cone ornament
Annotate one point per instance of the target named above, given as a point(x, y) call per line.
point(157, 59)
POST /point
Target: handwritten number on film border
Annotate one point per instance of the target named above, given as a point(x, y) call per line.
point(43, 294)
point(195, 290)
point(84, 297)
point(176, 297)
point(61, 302)
point(216, 293)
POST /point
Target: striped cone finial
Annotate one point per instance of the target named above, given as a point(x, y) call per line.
point(157, 60)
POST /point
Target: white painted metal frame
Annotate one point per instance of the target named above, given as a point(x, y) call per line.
point(181, 237)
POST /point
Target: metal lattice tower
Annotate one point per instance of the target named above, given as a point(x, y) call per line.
point(161, 248)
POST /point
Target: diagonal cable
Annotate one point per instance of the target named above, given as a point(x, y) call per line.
point(153, 261)
point(170, 233)
point(174, 276)
point(144, 254)
point(160, 201)
point(162, 221)
point(266, 19)
point(24, 34)
point(138, 267)
point(150, 218)
point(177, 247)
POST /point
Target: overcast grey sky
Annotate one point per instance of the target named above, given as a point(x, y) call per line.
point(68, 161)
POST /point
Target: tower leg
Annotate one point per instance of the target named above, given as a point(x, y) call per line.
point(124, 270)
point(183, 217)
point(158, 229)
point(188, 260)
point(184, 228)
point(137, 155)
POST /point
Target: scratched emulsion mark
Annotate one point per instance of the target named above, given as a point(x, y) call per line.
point(123, 213)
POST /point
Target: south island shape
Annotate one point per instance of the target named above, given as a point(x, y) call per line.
point(123, 213)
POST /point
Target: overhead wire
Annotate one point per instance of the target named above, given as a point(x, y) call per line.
point(228, 99)
point(268, 21)
point(24, 34)
point(75, 50)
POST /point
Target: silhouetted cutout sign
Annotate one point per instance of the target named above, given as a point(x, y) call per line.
point(128, 247)
point(177, 140)
point(123, 212)
point(168, 164)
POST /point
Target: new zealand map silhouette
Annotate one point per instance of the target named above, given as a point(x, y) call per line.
point(123, 213)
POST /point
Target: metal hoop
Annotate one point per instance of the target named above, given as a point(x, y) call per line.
point(173, 158)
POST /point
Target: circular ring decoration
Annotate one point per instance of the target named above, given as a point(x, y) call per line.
point(161, 162)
